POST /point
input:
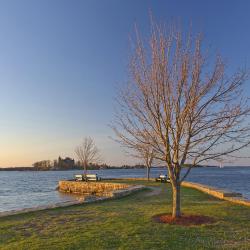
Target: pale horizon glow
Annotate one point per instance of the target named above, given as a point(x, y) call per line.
point(61, 63)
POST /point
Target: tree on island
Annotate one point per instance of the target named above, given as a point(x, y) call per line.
point(182, 104)
point(87, 152)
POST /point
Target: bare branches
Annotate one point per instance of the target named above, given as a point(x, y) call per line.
point(179, 106)
point(87, 152)
point(182, 108)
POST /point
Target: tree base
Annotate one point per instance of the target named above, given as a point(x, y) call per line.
point(184, 220)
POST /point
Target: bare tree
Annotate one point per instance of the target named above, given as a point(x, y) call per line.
point(148, 156)
point(146, 153)
point(186, 109)
point(87, 153)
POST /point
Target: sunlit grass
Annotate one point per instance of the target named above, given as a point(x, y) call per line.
point(127, 223)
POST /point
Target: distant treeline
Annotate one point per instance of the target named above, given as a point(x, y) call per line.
point(66, 164)
point(70, 164)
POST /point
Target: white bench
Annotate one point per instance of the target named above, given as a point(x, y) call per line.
point(78, 177)
point(87, 177)
point(162, 178)
point(92, 177)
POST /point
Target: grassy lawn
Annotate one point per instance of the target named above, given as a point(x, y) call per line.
point(127, 223)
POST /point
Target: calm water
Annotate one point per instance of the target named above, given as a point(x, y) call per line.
point(20, 190)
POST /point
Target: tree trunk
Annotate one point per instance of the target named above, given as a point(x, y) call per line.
point(148, 172)
point(85, 168)
point(176, 201)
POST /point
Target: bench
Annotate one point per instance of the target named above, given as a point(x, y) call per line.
point(78, 177)
point(92, 177)
point(87, 177)
point(162, 178)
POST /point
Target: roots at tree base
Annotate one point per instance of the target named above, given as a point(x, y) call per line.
point(184, 219)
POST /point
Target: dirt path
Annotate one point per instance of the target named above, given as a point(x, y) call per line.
point(153, 191)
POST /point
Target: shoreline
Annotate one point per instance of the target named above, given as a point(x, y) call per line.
point(86, 200)
point(222, 194)
point(232, 197)
point(40, 208)
point(126, 222)
point(219, 193)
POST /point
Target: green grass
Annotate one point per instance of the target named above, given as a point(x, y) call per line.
point(127, 223)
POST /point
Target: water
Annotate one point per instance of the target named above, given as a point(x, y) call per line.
point(20, 190)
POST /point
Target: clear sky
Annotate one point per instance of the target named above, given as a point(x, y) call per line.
point(60, 63)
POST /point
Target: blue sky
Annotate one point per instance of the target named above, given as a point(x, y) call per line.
point(61, 62)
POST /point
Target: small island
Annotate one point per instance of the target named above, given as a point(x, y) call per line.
point(68, 163)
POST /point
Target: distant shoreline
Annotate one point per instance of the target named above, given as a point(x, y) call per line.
point(117, 168)
point(44, 170)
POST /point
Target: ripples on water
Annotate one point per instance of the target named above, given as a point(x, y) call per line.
point(20, 190)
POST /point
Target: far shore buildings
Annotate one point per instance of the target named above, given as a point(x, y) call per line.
point(69, 163)
point(61, 163)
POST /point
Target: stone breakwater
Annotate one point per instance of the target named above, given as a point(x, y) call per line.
point(105, 189)
point(91, 191)
point(218, 193)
